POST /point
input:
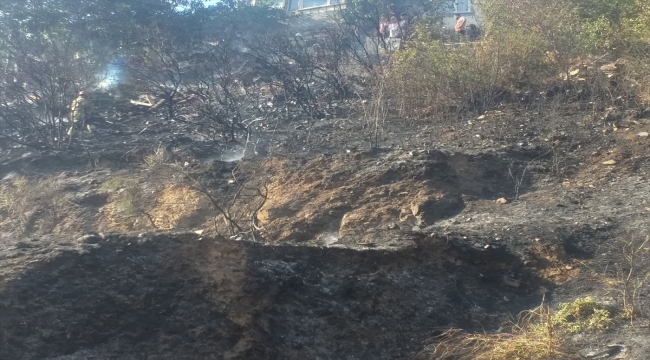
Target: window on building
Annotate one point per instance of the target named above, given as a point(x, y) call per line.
point(461, 6)
point(312, 3)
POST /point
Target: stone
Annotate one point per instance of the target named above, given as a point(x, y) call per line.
point(609, 162)
point(609, 68)
point(643, 134)
point(90, 238)
point(511, 282)
point(22, 245)
point(615, 351)
point(502, 201)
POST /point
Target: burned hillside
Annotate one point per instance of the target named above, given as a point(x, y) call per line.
point(183, 181)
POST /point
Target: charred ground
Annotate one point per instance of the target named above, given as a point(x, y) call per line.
point(362, 253)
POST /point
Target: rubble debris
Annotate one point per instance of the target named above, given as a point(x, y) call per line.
point(148, 101)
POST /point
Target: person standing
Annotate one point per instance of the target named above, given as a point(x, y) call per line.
point(383, 27)
point(461, 22)
point(79, 111)
point(394, 30)
point(394, 34)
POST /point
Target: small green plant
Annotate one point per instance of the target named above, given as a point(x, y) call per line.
point(130, 198)
point(583, 314)
point(115, 183)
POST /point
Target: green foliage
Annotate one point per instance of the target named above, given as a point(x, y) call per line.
point(528, 45)
point(468, 76)
point(612, 11)
point(598, 34)
point(620, 25)
point(637, 25)
point(551, 25)
point(583, 314)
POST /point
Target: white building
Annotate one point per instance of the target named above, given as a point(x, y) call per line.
point(463, 7)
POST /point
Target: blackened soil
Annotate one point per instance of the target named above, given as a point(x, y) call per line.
point(181, 297)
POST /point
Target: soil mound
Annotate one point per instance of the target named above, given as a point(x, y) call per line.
point(364, 197)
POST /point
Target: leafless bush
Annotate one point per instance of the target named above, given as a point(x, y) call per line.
point(226, 98)
point(233, 205)
point(160, 63)
point(375, 113)
point(632, 276)
point(236, 211)
point(286, 62)
point(37, 85)
point(519, 178)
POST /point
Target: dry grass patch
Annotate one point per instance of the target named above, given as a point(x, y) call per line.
point(31, 206)
point(173, 204)
point(537, 334)
point(138, 204)
point(531, 336)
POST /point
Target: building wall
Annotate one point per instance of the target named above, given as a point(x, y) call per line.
point(467, 9)
point(320, 8)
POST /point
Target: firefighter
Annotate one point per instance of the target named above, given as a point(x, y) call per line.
point(80, 109)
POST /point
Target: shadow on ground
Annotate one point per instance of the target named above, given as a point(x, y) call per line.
point(178, 297)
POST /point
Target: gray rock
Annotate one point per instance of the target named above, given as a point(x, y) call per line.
point(90, 238)
point(614, 351)
point(22, 245)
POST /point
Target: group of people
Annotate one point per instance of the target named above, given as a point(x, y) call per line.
point(395, 31)
point(394, 28)
point(398, 30)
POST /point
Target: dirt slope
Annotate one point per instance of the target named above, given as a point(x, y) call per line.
point(362, 254)
point(359, 198)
